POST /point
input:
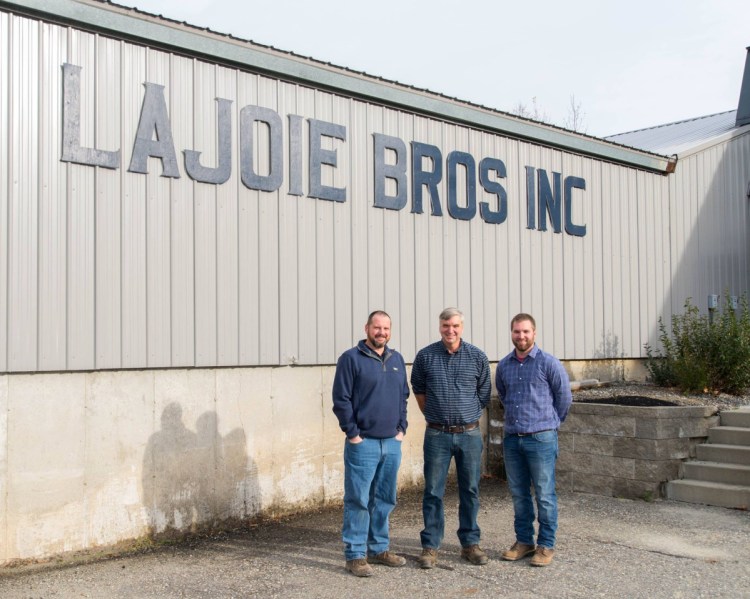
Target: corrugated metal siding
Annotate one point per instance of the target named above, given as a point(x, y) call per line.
point(110, 269)
point(5, 185)
point(710, 220)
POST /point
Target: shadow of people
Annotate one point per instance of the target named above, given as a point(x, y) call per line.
point(196, 481)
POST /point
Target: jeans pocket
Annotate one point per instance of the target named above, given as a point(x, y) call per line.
point(546, 436)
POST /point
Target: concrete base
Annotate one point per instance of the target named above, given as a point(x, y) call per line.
point(92, 459)
point(710, 493)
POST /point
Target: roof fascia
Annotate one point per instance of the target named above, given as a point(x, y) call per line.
point(129, 24)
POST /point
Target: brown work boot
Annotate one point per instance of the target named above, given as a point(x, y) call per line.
point(543, 556)
point(428, 559)
point(474, 555)
point(359, 567)
point(518, 551)
point(387, 559)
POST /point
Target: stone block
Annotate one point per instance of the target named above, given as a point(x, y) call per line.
point(600, 424)
point(656, 470)
point(598, 464)
point(567, 441)
point(636, 489)
point(667, 428)
point(594, 444)
point(652, 449)
point(588, 483)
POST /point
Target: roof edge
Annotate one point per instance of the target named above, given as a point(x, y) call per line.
point(130, 24)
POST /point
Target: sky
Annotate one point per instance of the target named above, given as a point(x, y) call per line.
point(625, 65)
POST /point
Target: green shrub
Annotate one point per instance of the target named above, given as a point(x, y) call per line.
point(706, 354)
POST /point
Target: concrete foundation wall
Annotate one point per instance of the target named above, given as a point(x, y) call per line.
point(91, 459)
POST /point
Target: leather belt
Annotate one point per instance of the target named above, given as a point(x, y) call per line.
point(459, 428)
point(529, 434)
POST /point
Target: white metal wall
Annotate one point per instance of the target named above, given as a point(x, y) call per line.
point(106, 269)
point(709, 223)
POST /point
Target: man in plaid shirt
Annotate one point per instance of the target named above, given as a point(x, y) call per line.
point(534, 389)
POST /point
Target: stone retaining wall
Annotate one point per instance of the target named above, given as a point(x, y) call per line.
point(619, 451)
point(628, 451)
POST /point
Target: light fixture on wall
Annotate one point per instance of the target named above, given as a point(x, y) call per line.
point(748, 189)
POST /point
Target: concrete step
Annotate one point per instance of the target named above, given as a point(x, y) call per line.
point(739, 417)
point(727, 454)
point(729, 435)
point(710, 493)
point(730, 474)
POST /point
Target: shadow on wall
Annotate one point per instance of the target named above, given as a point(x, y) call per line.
point(197, 480)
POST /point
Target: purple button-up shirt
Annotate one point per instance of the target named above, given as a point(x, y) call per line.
point(535, 393)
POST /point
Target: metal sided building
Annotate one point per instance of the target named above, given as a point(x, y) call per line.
point(193, 227)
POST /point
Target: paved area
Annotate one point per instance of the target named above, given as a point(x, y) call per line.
point(607, 547)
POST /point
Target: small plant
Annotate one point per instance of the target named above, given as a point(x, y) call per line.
point(704, 354)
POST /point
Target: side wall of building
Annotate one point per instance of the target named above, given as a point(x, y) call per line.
point(110, 267)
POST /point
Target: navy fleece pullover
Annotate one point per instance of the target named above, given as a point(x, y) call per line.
point(369, 393)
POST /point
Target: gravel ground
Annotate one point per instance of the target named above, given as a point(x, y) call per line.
point(721, 401)
point(607, 547)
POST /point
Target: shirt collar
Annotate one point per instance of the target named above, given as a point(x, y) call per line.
point(532, 354)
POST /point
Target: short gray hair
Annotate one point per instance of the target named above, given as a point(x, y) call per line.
point(449, 313)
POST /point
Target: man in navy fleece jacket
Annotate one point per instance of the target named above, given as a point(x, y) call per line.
point(369, 400)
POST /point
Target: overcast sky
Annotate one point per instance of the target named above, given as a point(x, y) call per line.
point(629, 65)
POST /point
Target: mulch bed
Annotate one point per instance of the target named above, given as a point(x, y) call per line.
point(630, 400)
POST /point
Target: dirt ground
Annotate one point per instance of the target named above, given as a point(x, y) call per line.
point(607, 547)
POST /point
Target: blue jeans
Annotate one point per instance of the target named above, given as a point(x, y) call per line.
point(439, 448)
point(531, 460)
point(370, 478)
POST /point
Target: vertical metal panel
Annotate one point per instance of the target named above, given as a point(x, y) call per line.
point(425, 319)
point(611, 272)
point(489, 263)
point(289, 328)
point(402, 270)
point(632, 250)
point(227, 237)
point(5, 82)
point(204, 140)
point(108, 260)
point(387, 263)
point(22, 194)
point(604, 343)
point(159, 242)
point(324, 246)
point(268, 237)
point(81, 222)
point(577, 270)
point(136, 268)
point(249, 319)
point(346, 326)
point(52, 348)
point(306, 261)
point(475, 229)
point(510, 252)
point(363, 119)
point(184, 234)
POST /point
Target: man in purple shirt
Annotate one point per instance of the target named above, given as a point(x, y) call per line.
point(534, 389)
